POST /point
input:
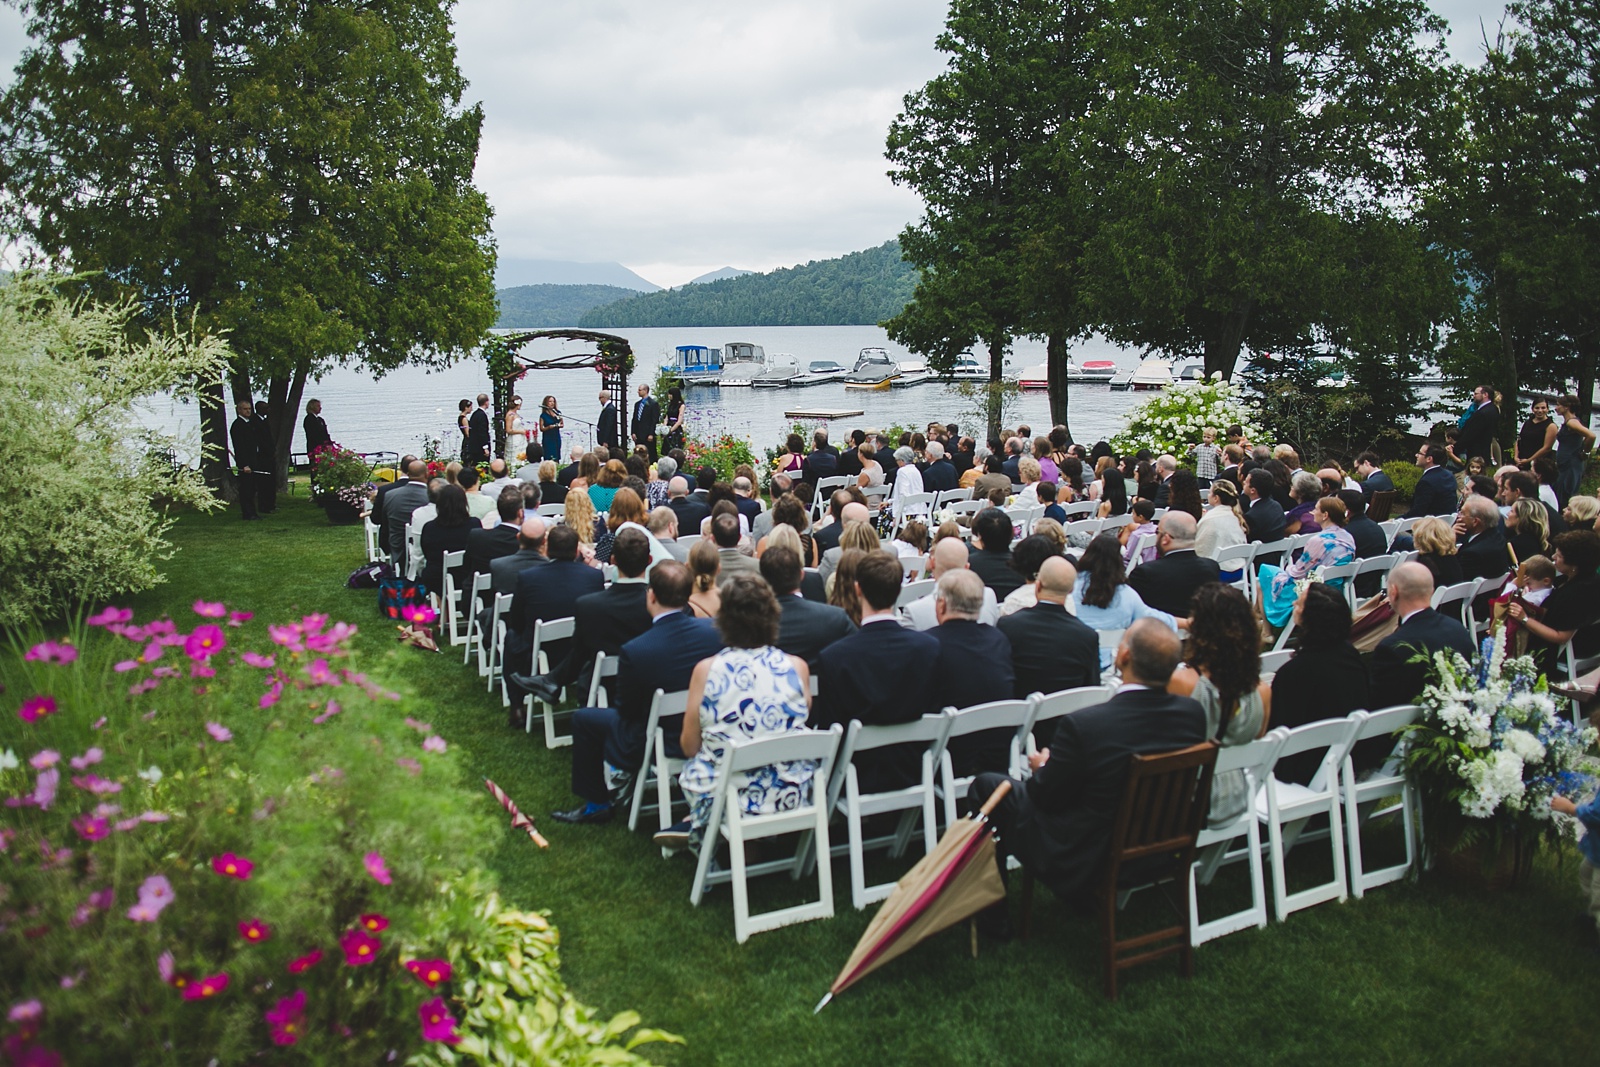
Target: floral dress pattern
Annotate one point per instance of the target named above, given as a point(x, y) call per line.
point(1333, 547)
point(749, 693)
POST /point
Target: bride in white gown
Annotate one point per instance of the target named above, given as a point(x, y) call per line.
point(516, 433)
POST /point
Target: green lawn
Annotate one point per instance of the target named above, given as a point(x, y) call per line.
point(1411, 974)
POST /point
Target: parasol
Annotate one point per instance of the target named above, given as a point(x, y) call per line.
point(956, 880)
point(519, 821)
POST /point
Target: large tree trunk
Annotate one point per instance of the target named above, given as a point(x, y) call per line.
point(1056, 363)
point(283, 395)
point(993, 398)
point(214, 465)
point(1224, 339)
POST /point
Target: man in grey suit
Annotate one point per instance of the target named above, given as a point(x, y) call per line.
point(664, 525)
point(397, 508)
point(805, 627)
point(529, 553)
point(725, 534)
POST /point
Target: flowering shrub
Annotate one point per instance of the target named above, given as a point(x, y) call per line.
point(1405, 477)
point(219, 842)
point(724, 452)
point(335, 467)
point(1490, 749)
point(1173, 419)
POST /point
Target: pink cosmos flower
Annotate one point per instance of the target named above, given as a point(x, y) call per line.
point(51, 652)
point(205, 642)
point(154, 816)
point(26, 1011)
point(430, 972)
point(306, 962)
point(53, 857)
point(420, 727)
point(91, 828)
point(87, 760)
point(374, 922)
point(437, 1024)
point(45, 757)
point(333, 709)
point(360, 948)
point(255, 931)
point(102, 898)
point(270, 697)
point(232, 866)
point(44, 788)
point(109, 614)
point(210, 609)
point(331, 639)
point(93, 783)
point(105, 811)
point(409, 764)
point(161, 628)
point(145, 686)
point(98, 723)
point(219, 732)
point(319, 673)
point(422, 614)
point(206, 987)
point(377, 868)
point(256, 659)
point(287, 636)
point(239, 618)
point(154, 895)
point(36, 707)
point(434, 744)
point(122, 826)
point(165, 968)
point(314, 622)
point(200, 670)
point(288, 1018)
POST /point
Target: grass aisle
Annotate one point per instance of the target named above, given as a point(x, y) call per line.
point(1408, 975)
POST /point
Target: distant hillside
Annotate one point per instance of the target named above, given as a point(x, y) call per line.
point(859, 289)
point(511, 272)
point(718, 275)
point(536, 307)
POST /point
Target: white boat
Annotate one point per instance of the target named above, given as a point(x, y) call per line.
point(697, 364)
point(968, 369)
point(1189, 373)
point(782, 370)
point(1091, 370)
point(912, 372)
point(873, 370)
point(742, 363)
point(819, 371)
point(1034, 378)
point(1152, 373)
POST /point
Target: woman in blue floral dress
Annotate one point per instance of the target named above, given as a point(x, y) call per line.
point(1331, 546)
point(750, 689)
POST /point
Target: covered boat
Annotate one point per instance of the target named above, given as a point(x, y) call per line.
point(742, 363)
point(968, 369)
point(912, 372)
point(873, 370)
point(819, 371)
point(697, 364)
point(1091, 370)
point(782, 369)
point(1035, 378)
point(1152, 373)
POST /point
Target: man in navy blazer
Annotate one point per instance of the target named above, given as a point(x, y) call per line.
point(545, 593)
point(1168, 582)
point(974, 667)
point(805, 627)
point(941, 473)
point(881, 674)
point(1435, 493)
point(663, 657)
point(1395, 678)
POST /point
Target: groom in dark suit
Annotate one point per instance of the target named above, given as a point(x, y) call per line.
point(646, 416)
point(478, 444)
point(605, 428)
point(1058, 823)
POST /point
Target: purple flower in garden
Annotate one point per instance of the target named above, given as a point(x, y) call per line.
point(210, 609)
point(306, 962)
point(26, 1011)
point(255, 931)
point(165, 672)
point(154, 816)
point(239, 618)
point(45, 757)
point(314, 622)
point(333, 709)
point(256, 659)
point(206, 987)
point(409, 764)
point(205, 642)
point(232, 866)
point(154, 895)
point(109, 615)
point(51, 652)
point(319, 673)
point(377, 868)
point(430, 972)
point(87, 760)
point(437, 1024)
point(90, 827)
point(420, 727)
point(288, 1018)
point(287, 636)
point(434, 744)
point(36, 707)
point(360, 948)
point(374, 922)
point(270, 697)
point(93, 783)
point(44, 788)
point(102, 898)
point(219, 732)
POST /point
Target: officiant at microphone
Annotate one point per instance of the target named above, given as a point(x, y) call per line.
point(646, 415)
point(252, 456)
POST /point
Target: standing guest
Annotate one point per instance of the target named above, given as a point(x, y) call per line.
point(530, 553)
point(479, 505)
point(1051, 650)
point(1573, 610)
point(1223, 525)
point(464, 424)
point(1330, 546)
point(550, 426)
point(316, 429)
point(974, 667)
point(1399, 674)
point(446, 532)
point(1169, 582)
point(949, 554)
point(907, 482)
point(1480, 425)
point(1222, 673)
point(1207, 457)
point(646, 418)
point(1537, 436)
point(1572, 439)
point(551, 491)
point(1325, 680)
point(478, 443)
point(1436, 489)
point(749, 690)
point(252, 456)
point(1184, 494)
point(674, 436)
point(1369, 470)
point(1438, 552)
point(399, 506)
point(1102, 596)
point(1264, 519)
point(1305, 489)
point(941, 473)
point(806, 627)
point(991, 532)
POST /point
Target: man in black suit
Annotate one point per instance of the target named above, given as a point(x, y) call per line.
point(397, 509)
point(964, 456)
point(544, 594)
point(744, 498)
point(605, 428)
point(940, 473)
point(530, 551)
point(1009, 466)
point(991, 559)
point(252, 455)
point(1369, 537)
point(316, 429)
point(850, 458)
point(690, 509)
point(646, 417)
point(1477, 433)
point(605, 621)
point(1166, 467)
point(1395, 678)
point(570, 471)
point(662, 657)
point(1369, 472)
point(388, 487)
point(882, 674)
point(823, 462)
point(479, 442)
point(827, 536)
point(486, 546)
point(1436, 489)
point(1264, 518)
point(974, 667)
point(805, 627)
point(1059, 822)
point(1167, 583)
point(1050, 649)
point(1480, 540)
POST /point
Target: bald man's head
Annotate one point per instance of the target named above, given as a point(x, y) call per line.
point(531, 535)
point(1410, 588)
point(679, 486)
point(948, 555)
point(1149, 653)
point(1057, 578)
point(1180, 527)
point(855, 512)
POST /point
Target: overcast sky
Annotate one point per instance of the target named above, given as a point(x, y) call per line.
point(681, 137)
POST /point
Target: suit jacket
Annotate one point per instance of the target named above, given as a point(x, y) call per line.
point(662, 657)
point(826, 537)
point(939, 476)
point(749, 507)
point(813, 587)
point(252, 444)
point(691, 511)
point(1396, 680)
point(486, 546)
point(1484, 556)
point(1163, 492)
point(1009, 465)
point(996, 571)
point(919, 614)
point(1377, 482)
point(397, 509)
point(1322, 682)
point(436, 540)
point(606, 621)
point(505, 570)
point(1264, 520)
point(675, 548)
point(606, 427)
point(881, 674)
point(542, 594)
point(806, 627)
point(1477, 434)
point(1065, 811)
point(316, 432)
point(1435, 494)
point(974, 667)
point(1168, 583)
point(1050, 649)
point(849, 463)
point(823, 463)
point(478, 440)
point(646, 416)
point(381, 495)
point(735, 563)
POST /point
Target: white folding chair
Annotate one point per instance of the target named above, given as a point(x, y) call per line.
point(1237, 558)
point(604, 667)
point(481, 584)
point(1454, 600)
point(1285, 807)
point(546, 631)
point(912, 506)
point(373, 534)
point(914, 567)
point(968, 507)
point(490, 661)
point(608, 573)
point(1048, 707)
point(1114, 523)
point(1490, 588)
point(452, 599)
point(1345, 572)
point(913, 591)
point(1299, 541)
point(657, 769)
point(551, 511)
point(1387, 781)
point(995, 715)
point(1080, 509)
point(414, 558)
point(1139, 544)
point(846, 797)
point(1255, 760)
point(948, 497)
point(1082, 526)
point(825, 490)
point(1379, 565)
point(1272, 662)
point(729, 822)
point(1279, 548)
point(1021, 521)
point(1390, 529)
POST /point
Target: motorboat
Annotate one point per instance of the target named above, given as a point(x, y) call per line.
point(1189, 373)
point(873, 370)
point(1091, 370)
point(1152, 373)
point(697, 364)
point(912, 372)
point(782, 370)
point(968, 369)
point(1034, 379)
point(742, 363)
point(819, 371)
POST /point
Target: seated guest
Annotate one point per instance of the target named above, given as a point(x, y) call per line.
point(1047, 497)
point(805, 627)
point(1330, 546)
point(705, 562)
point(1026, 559)
point(1480, 543)
point(551, 490)
point(1524, 486)
point(605, 621)
point(991, 561)
point(663, 526)
point(1573, 610)
point(812, 587)
point(974, 667)
point(1168, 582)
point(1142, 527)
point(749, 690)
point(1103, 599)
point(1435, 493)
point(500, 478)
point(1437, 551)
point(1325, 680)
point(827, 535)
point(1526, 533)
point(1050, 649)
point(1222, 672)
point(626, 508)
point(1369, 469)
point(690, 509)
point(882, 674)
point(486, 546)
point(852, 514)
point(663, 657)
point(1368, 536)
point(823, 461)
point(1305, 489)
point(1581, 512)
point(544, 594)
point(446, 532)
point(940, 473)
point(791, 513)
point(479, 505)
point(949, 554)
point(530, 553)
point(994, 477)
point(1397, 677)
point(725, 535)
point(1058, 823)
point(1264, 518)
point(1223, 525)
point(397, 506)
point(402, 473)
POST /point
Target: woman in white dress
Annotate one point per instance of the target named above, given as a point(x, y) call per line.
point(907, 481)
point(1222, 526)
point(516, 433)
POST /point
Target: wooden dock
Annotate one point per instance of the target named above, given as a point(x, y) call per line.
point(823, 413)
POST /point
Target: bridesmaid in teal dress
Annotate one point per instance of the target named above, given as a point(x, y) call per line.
point(550, 423)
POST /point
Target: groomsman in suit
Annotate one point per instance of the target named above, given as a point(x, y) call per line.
point(881, 674)
point(478, 439)
point(543, 594)
point(252, 455)
point(316, 429)
point(662, 657)
point(805, 627)
point(974, 667)
point(606, 433)
point(1167, 583)
point(646, 416)
point(397, 509)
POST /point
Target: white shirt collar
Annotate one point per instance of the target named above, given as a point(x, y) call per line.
point(879, 616)
point(1408, 617)
point(1132, 687)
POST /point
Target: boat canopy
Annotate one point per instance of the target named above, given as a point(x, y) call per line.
point(698, 357)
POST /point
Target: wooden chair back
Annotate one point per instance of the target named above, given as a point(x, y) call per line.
point(1381, 504)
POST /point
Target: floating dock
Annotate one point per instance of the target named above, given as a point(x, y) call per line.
point(823, 413)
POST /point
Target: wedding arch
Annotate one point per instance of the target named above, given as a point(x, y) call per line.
point(607, 353)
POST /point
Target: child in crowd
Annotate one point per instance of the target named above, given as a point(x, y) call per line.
point(1207, 457)
point(1144, 522)
point(1047, 497)
point(1589, 870)
point(1536, 577)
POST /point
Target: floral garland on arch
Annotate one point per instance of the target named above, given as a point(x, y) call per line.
point(1173, 419)
point(1491, 749)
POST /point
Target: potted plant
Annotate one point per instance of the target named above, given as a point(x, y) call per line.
point(340, 483)
point(1488, 752)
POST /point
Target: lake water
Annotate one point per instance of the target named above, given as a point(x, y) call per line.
point(398, 411)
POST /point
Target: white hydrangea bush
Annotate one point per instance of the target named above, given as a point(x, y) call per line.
point(1174, 419)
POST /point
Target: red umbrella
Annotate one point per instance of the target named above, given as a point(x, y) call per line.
point(519, 821)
